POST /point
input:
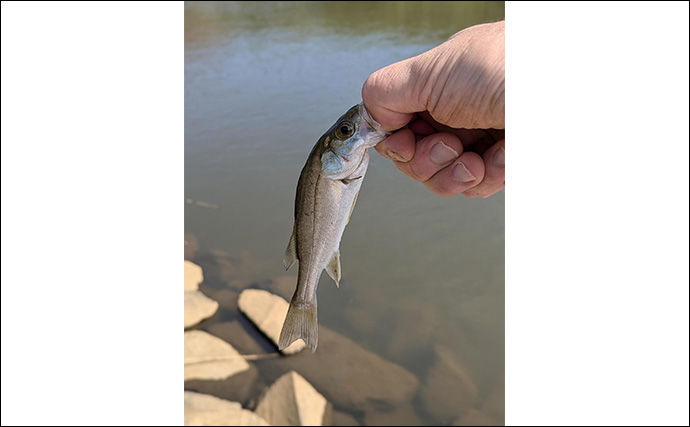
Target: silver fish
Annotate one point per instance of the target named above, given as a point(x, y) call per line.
point(326, 195)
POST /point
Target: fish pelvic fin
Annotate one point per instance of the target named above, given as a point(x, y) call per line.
point(300, 322)
point(333, 268)
point(291, 251)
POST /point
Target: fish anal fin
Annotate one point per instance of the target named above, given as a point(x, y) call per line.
point(291, 251)
point(333, 268)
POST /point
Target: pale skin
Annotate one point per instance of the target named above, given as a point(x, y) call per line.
point(447, 106)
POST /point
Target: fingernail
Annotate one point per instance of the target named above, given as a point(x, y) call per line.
point(442, 154)
point(462, 174)
point(395, 156)
point(500, 158)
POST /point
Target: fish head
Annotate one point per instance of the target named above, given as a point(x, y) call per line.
point(347, 140)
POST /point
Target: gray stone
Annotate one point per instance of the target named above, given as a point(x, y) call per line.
point(449, 390)
point(197, 307)
point(210, 358)
point(292, 401)
point(267, 311)
point(205, 410)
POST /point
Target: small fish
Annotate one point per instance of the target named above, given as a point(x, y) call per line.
point(326, 195)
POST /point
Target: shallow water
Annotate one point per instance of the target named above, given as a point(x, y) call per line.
point(263, 81)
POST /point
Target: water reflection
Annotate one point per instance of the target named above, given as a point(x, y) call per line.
point(422, 278)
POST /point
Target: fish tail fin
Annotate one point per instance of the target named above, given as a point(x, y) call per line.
point(300, 322)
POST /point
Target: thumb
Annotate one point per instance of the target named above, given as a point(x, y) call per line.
point(461, 83)
point(391, 95)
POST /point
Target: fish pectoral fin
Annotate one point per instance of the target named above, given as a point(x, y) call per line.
point(291, 251)
point(352, 208)
point(333, 268)
point(349, 180)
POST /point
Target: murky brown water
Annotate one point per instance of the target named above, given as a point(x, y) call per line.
point(262, 82)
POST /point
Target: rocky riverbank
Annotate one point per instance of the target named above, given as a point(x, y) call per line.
point(235, 375)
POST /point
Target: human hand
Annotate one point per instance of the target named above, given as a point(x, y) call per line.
point(449, 106)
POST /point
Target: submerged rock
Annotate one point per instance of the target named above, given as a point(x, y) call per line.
point(240, 387)
point(472, 417)
point(223, 270)
point(197, 307)
point(205, 410)
point(348, 375)
point(227, 298)
point(267, 311)
point(449, 390)
point(209, 358)
point(193, 275)
point(494, 405)
point(339, 418)
point(292, 401)
point(415, 325)
point(400, 416)
point(244, 340)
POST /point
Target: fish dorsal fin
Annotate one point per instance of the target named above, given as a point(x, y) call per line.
point(333, 268)
point(291, 251)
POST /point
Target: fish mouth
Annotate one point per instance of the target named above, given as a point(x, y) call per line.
point(366, 117)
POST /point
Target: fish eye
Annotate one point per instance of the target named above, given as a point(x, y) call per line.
point(345, 130)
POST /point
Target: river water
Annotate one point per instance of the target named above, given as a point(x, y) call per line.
point(263, 81)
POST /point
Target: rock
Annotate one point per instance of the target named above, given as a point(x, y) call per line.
point(191, 246)
point(472, 417)
point(205, 410)
point(240, 387)
point(292, 401)
point(400, 416)
point(339, 418)
point(192, 276)
point(197, 307)
point(415, 324)
point(348, 375)
point(209, 358)
point(267, 311)
point(449, 390)
point(241, 338)
point(283, 285)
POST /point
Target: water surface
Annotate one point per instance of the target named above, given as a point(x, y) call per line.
point(263, 81)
